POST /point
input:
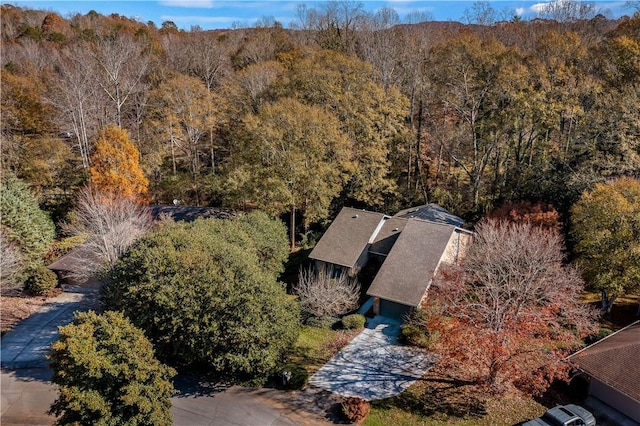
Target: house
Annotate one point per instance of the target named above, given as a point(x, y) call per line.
point(410, 247)
point(613, 368)
point(65, 266)
point(345, 245)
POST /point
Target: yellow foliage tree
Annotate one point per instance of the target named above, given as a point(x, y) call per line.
point(115, 165)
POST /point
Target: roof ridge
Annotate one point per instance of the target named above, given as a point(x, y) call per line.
point(605, 338)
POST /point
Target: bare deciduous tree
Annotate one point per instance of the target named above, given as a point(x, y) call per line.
point(513, 310)
point(10, 264)
point(77, 98)
point(568, 10)
point(111, 224)
point(121, 65)
point(325, 293)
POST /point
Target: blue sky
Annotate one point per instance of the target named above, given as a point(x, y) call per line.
point(210, 14)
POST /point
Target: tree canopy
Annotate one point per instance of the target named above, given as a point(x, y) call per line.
point(512, 311)
point(108, 375)
point(206, 294)
point(115, 164)
point(466, 116)
point(606, 228)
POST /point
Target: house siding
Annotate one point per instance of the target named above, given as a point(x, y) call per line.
point(455, 251)
point(616, 399)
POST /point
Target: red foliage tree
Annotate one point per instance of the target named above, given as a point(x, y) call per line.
point(512, 312)
point(538, 214)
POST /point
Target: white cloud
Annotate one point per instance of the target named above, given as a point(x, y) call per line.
point(200, 4)
point(519, 11)
point(539, 7)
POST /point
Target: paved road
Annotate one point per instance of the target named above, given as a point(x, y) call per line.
point(27, 393)
point(26, 345)
point(374, 365)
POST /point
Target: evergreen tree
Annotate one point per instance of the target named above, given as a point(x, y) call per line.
point(204, 296)
point(24, 225)
point(108, 375)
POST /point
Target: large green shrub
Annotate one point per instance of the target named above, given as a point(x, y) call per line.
point(41, 281)
point(24, 225)
point(203, 296)
point(108, 375)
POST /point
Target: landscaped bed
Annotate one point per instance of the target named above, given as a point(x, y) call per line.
point(16, 306)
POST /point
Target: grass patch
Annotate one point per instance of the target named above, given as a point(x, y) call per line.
point(507, 410)
point(315, 346)
point(622, 314)
point(442, 400)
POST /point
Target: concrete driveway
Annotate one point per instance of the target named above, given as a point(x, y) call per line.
point(374, 365)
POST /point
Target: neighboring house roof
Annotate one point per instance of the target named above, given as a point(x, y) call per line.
point(614, 360)
point(407, 271)
point(347, 237)
point(189, 213)
point(386, 238)
point(69, 262)
point(432, 213)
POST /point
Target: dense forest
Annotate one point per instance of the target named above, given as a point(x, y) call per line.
point(347, 108)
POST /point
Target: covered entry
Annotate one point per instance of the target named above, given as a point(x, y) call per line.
point(393, 310)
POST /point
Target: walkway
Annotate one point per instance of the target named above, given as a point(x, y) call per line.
point(27, 344)
point(374, 365)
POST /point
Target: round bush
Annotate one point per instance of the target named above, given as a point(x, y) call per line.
point(353, 322)
point(293, 377)
point(203, 296)
point(414, 335)
point(108, 375)
point(355, 409)
point(41, 281)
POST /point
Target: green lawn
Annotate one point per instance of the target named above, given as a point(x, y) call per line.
point(315, 346)
point(433, 402)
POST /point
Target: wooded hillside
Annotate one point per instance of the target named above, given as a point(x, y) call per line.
point(358, 110)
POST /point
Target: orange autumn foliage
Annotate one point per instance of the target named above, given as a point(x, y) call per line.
point(537, 214)
point(115, 165)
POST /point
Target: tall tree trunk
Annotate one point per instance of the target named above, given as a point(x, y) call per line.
point(606, 302)
point(292, 231)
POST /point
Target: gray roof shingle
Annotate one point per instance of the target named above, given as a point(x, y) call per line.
point(407, 271)
point(388, 235)
point(432, 213)
point(614, 360)
point(347, 237)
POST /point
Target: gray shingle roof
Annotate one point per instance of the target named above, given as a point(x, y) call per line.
point(615, 360)
point(69, 262)
point(190, 213)
point(347, 237)
point(388, 235)
point(407, 271)
point(432, 213)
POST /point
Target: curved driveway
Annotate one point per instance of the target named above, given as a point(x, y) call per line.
point(374, 365)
